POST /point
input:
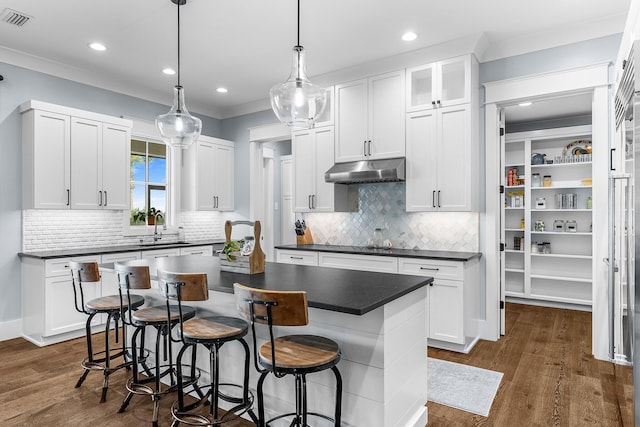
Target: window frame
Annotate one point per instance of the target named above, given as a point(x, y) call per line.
point(146, 131)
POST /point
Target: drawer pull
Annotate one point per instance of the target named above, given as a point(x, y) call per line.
point(196, 253)
point(430, 269)
point(296, 257)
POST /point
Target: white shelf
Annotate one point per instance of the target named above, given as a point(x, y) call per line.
point(514, 270)
point(513, 251)
point(513, 209)
point(514, 165)
point(514, 229)
point(560, 165)
point(561, 278)
point(550, 298)
point(509, 187)
point(560, 187)
point(567, 256)
point(561, 210)
point(564, 233)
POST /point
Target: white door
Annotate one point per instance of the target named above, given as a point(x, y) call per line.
point(422, 170)
point(115, 167)
point(303, 147)
point(454, 158)
point(503, 260)
point(323, 200)
point(223, 177)
point(51, 156)
point(386, 116)
point(206, 154)
point(351, 121)
point(454, 81)
point(86, 167)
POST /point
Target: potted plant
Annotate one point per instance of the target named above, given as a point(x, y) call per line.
point(151, 215)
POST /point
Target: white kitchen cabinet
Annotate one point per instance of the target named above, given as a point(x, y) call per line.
point(312, 157)
point(206, 250)
point(380, 264)
point(207, 175)
point(74, 159)
point(441, 160)
point(453, 300)
point(440, 84)
point(370, 118)
point(48, 309)
point(297, 257)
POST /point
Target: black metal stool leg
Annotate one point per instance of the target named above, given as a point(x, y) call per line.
point(338, 414)
point(89, 349)
point(261, 419)
point(245, 384)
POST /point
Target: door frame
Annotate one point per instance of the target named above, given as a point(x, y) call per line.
point(499, 94)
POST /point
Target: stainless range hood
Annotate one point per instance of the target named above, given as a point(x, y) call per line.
point(367, 171)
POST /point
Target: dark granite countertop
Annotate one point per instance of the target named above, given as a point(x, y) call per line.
point(404, 253)
point(116, 249)
point(346, 291)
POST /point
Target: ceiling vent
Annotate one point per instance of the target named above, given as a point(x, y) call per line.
point(14, 17)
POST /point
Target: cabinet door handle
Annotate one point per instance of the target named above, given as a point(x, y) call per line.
point(196, 253)
point(68, 197)
point(313, 201)
point(364, 148)
point(309, 202)
point(217, 202)
point(433, 103)
point(296, 257)
point(438, 102)
point(439, 199)
point(100, 202)
point(105, 198)
point(611, 159)
point(433, 198)
point(429, 268)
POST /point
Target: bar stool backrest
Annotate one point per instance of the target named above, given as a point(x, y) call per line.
point(133, 276)
point(82, 272)
point(184, 286)
point(277, 308)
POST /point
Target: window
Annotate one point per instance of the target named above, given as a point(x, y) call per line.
point(148, 189)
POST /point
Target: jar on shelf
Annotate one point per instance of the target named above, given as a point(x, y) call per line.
point(541, 203)
point(571, 226)
point(546, 181)
point(535, 180)
point(558, 225)
point(522, 224)
point(538, 225)
point(589, 202)
point(546, 247)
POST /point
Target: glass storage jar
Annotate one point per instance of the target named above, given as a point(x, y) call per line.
point(546, 181)
point(538, 225)
point(535, 180)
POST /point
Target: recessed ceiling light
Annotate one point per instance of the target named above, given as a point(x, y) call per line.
point(222, 90)
point(169, 71)
point(525, 104)
point(97, 46)
point(409, 36)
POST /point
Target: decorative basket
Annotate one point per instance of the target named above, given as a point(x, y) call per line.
point(244, 264)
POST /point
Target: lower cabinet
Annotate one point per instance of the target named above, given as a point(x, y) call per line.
point(48, 308)
point(380, 264)
point(110, 280)
point(297, 257)
point(453, 297)
point(197, 250)
point(453, 300)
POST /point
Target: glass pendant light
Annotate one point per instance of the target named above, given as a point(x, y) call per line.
point(297, 102)
point(178, 128)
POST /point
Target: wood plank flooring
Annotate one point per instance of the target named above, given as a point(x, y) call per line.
point(549, 380)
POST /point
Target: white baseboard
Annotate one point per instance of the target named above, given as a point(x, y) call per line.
point(10, 329)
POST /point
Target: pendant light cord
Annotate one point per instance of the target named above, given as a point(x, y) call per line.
point(179, 41)
point(298, 22)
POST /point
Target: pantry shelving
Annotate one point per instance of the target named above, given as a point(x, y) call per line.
point(547, 216)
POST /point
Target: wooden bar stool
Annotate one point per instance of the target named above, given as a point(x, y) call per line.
point(212, 332)
point(162, 318)
point(81, 274)
point(296, 355)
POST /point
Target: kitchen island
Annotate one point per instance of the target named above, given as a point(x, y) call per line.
point(378, 319)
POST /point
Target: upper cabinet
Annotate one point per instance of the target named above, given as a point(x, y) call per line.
point(369, 118)
point(327, 117)
point(313, 156)
point(74, 159)
point(207, 175)
point(439, 84)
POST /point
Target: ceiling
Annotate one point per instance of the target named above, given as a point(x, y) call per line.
point(245, 45)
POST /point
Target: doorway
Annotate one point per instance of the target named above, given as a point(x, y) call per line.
point(501, 95)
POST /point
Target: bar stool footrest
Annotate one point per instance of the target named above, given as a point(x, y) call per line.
point(293, 414)
point(202, 420)
point(141, 386)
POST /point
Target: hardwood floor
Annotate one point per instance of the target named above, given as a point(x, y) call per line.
point(549, 380)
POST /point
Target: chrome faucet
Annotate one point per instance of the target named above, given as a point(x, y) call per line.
point(157, 236)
